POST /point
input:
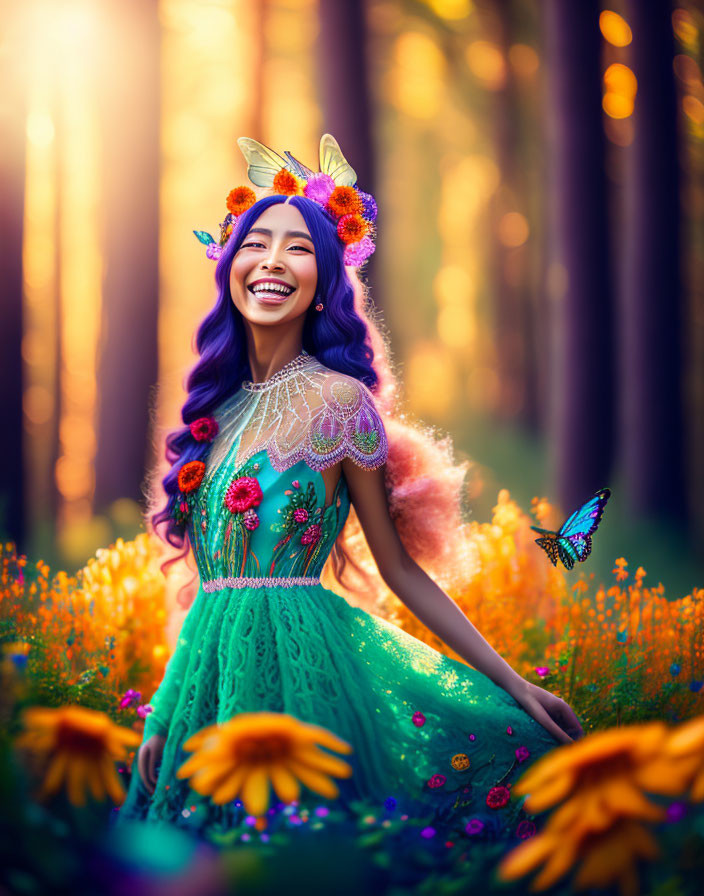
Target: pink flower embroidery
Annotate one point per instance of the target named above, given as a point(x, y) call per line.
point(300, 514)
point(522, 753)
point(251, 520)
point(436, 781)
point(204, 429)
point(498, 797)
point(509, 730)
point(243, 493)
point(312, 534)
point(474, 826)
point(418, 719)
point(525, 829)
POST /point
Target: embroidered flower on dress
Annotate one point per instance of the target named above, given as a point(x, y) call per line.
point(300, 515)
point(474, 826)
point(525, 829)
point(498, 797)
point(204, 429)
point(190, 476)
point(522, 753)
point(243, 493)
point(460, 761)
point(251, 520)
point(436, 781)
point(312, 534)
point(418, 719)
point(509, 730)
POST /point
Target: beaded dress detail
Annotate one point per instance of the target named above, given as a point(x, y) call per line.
point(431, 735)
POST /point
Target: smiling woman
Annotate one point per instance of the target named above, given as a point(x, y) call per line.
point(290, 419)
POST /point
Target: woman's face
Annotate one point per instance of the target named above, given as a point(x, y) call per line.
point(274, 273)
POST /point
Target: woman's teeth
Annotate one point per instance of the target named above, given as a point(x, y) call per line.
point(270, 290)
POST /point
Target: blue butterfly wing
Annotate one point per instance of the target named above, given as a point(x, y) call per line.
point(566, 552)
point(585, 520)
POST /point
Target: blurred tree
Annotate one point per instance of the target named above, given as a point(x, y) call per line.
point(12, 171)
point(128, 349)
point(343, 69)
point(651, 381)
point(514, 334)
point(581, 384)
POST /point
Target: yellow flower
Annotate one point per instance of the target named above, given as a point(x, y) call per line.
point(612, 754)
point(243, 755)
point(682, 760)
point(81, 746)
point(608, 857)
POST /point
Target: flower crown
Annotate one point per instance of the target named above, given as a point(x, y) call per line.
point(333, 188)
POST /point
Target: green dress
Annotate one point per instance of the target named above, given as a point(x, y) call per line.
point(432, 737)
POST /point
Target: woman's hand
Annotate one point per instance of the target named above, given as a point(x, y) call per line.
point(148, 758)
point(551, 711)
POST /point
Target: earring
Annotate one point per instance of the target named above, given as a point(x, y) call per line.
point(319, 306)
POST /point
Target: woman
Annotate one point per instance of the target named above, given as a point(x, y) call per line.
point(288, 429)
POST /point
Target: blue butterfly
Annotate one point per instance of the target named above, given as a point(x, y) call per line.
point(573, 540)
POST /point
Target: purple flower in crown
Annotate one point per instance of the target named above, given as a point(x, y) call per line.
point(213, 251)
point(318, 188)
point(369, 205)
point(357, 253)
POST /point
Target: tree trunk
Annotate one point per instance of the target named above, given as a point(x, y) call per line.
point(581, 382)
point(651, 433)
point(12, 176)
point(129, 349)
point(343, 76)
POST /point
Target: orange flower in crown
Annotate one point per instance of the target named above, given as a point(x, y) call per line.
point(333, 188)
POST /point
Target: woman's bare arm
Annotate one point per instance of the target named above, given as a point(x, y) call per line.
point(438, 611)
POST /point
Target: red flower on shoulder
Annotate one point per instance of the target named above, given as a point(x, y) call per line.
point(204, 429)
point(190, 476)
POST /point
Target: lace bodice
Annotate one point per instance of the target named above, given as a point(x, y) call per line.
point(260, 512)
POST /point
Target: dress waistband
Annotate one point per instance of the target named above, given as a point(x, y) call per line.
point(254, 582)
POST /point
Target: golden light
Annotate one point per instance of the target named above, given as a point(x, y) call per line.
point(687, 70)
point(457, 326)
point(467, 184)
point(685, 28)
point(428, 366)
point(450, 9)
point(416, 80)
point(524, 60)
point(487, 64)
point(615, 28)
point(40, 127)
point(452, 285)
point(693, 109)
point(621, 87)
point(513, 229)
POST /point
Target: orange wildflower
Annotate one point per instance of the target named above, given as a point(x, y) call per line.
point(287, 183)
point(81, 746)
point(352, 228)
point(243, 755)
point(240, 199)
point(191, 475)
point(345, 200)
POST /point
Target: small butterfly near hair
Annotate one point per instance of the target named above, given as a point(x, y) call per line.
point(573, 540)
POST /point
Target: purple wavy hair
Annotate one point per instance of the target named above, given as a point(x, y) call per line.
point(339, 339)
